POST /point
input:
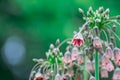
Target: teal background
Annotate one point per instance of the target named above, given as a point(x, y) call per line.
point(37, 23)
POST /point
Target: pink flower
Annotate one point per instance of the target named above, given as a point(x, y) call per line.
point(39, 76)
point(116, 75)
point(74, 53)
point(97, 43)
point(104, 73)
point(67, 57)
point(64, 77)
point(57, 77)
point(107, 64)
point(109, 53)
point(78, 40)
point(90, 66)
point(110, 67)
point(80, 59)
point(117, 56)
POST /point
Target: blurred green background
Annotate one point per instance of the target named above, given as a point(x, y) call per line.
point(27, 27)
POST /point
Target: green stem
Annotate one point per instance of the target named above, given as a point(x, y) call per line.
point(63, 43)
point(96, 65)
point(85, 72)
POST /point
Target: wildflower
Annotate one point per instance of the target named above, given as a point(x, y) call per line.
point(92, 78)
point(57, 77)
point(97, 43)
point(104, 73)
point(108, 53)
point(80, 59)
point(116, 75)
point(74, 53)
point(78, 40)
point(67, 57)
point(39, 76)
point(89, 66)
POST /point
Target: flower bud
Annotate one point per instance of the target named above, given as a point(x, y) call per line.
point(57, 42)
point(104, 73)
point(57, 77)
point(97, 43)
point(92, 78)
point(67, 57)
point(80, 10)
point(101, 9)
point(74, 53)
point(51, 46)
point(108, 53)
point(116, 75)
point(114, 28)
point(118, 17)
point(96, 30)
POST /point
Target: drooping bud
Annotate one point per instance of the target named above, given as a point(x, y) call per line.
point(116, 75)
point(51, 46)
point(67, 57)
point(104, 73)
point(108, 53)
point(90, 12)
point(90, 66)
point(92, 78)
point(101, 9)
point(114, 28)
point(80, 59)
point(57, 77)
point(57, 42)
point(96, 30)
point(39, 76)
point(97, 43)
point(80, 10)
point(75, 53)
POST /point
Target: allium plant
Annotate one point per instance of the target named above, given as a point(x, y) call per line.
point(90, 55)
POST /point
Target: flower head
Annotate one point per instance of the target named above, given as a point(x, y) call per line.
point(116, 75)
point(97, 43)
point(39, 76)
point(78, 40)
point(67, 57)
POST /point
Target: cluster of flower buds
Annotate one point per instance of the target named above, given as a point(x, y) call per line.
point(96, 36)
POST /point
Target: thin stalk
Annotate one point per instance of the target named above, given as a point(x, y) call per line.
point(85, 72)
point(63, 43)
point(96, 65)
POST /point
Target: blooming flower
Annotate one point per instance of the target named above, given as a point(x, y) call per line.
point(109, 53)
point(117, 56)
point(78, 39)
point(97, 43)
point(116, 75)
point(104, 73)
point(57, 77)
point(39, 76)
point(89, 66)
point(74, 53)
point(67, 57)
point(80, 59)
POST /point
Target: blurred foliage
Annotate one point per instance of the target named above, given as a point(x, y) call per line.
point(39, 23)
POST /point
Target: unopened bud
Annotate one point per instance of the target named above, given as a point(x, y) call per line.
point(51, 46)
point(107, 11)
point(57, 41)
point(101, 9)
point(96, 30)
point(112, 39)
point(80, 10)
point(118, 17)
point(97, 20)
point(114, 28)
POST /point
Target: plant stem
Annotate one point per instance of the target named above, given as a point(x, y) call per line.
point(63, 43)
point(85, 72)
point(96, 65)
